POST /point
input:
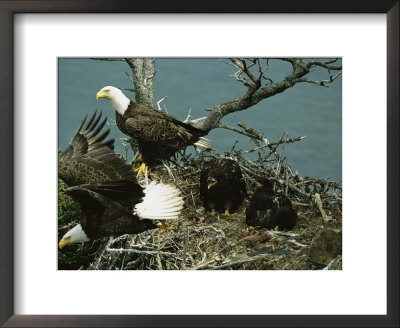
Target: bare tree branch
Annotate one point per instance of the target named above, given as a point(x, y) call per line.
point(244, 132)
point(251, 73)
point(290, 140)
point(323, 83)
point(256, 92)
point(325, 64)
point(243, 67)
point(255, 134)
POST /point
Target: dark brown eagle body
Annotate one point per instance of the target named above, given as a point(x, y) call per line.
point(102, 183)
point(228, 188)
point(268, 209)
point(103, 216)
point(158, 134)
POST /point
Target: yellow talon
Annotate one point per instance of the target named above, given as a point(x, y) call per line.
point(276, 228)
point(250, 229)
point(162, 225)
point(227, 213)
point(141, 169)
point(138, 159)
point(213, 213)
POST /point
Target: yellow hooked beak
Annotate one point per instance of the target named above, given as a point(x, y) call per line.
point(63, 242)
point(211, 182)
point(101, 94)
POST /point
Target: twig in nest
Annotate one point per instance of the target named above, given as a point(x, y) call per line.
point(300, 204)
point(186, 245)
point(290, 140)
point(123, 250)
point(278, 165)
point(190, 174)
point(254, 133)
point(240, 259)
point(257, 238)
point(291, 186)
point(205, 264)
point(285, 234)
point(95, 266)
point(169, 171)
point(295, 243)
point(194, 203)
point(159, 264)
point(317, 199)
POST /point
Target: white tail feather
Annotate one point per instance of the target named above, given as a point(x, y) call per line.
point(202, 143)
point(161, 202)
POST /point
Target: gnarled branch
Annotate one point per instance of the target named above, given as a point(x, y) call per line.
point(250, 72)
point(256, 92)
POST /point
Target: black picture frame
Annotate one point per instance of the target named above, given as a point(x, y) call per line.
point(11, 7)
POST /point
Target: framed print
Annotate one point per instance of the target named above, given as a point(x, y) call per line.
point(54, 56)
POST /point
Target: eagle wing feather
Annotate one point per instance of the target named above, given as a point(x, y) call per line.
point(152, 125)
point(90, 159)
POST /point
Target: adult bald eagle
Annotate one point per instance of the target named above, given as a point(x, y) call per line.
point(112, 201)
point(158, 134)
point(222, 187)
point(270, 210)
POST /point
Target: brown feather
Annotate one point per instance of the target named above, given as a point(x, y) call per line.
point(101, 182)
point(90, 159)
point(159, 135)
point(229, 190)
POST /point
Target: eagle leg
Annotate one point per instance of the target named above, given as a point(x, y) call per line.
point(138, 159)
point(250, 229)
point(227, 213)
point(141, 169)
point(213, 213)
point(162, 225)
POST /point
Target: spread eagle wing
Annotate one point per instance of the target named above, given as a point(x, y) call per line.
point(104, 215)
point(94, 198)
point(89, 159)
point(155, 126)
point(127, 193)
point(85, 140)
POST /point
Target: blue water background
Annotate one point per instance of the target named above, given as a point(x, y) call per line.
point(305, 109)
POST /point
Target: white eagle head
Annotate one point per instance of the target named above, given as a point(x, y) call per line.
point(73, 236)
point(116, 97)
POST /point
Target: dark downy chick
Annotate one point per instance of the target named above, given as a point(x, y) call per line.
point(270, 210)
point(222, 187)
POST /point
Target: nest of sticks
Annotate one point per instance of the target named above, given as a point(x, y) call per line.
point(199, 241)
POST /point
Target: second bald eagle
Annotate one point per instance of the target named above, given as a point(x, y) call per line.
point(158, 134)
